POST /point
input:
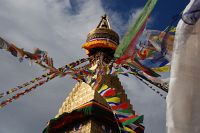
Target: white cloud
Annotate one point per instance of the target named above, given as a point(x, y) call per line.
point(121, 25)
point(48, 25)
point(58, 27)
point(45, 24)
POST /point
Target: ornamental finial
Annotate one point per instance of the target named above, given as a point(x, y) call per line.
point(104, 23)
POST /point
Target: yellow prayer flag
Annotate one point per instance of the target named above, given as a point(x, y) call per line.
point(113, 99)
point(128, 129)
point(162, 69)
point(103, 87)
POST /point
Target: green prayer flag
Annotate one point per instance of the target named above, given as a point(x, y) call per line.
point(136, 120)
point(135, 28)
point(128, 111)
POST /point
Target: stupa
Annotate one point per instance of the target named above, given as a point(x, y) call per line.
point(95, 105)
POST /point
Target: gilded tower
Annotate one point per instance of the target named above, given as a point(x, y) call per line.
point(94, 105)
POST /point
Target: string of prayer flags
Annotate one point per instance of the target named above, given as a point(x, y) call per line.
point(48, 75)
point(163, 42)
point(121, 116)
point(121, 106)
point(135, 120)
point(126, 111)
point(18, 95)
point(127, 130)
point(156, 81)
point(38, 56)
point(3, 44)
point(12, 90)
point(128, 118)
point(161, 86)
point(136, 64)
point(102, 88)
point(109, 92)
point(113, 100)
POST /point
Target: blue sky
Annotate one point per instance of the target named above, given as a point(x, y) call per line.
point(162, 14)
point(60, 27)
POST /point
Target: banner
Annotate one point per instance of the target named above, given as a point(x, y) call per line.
point(134, 32)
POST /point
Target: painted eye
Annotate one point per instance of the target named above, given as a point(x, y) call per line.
point(77, 126)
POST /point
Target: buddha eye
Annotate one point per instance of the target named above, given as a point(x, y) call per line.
point(77, 126)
